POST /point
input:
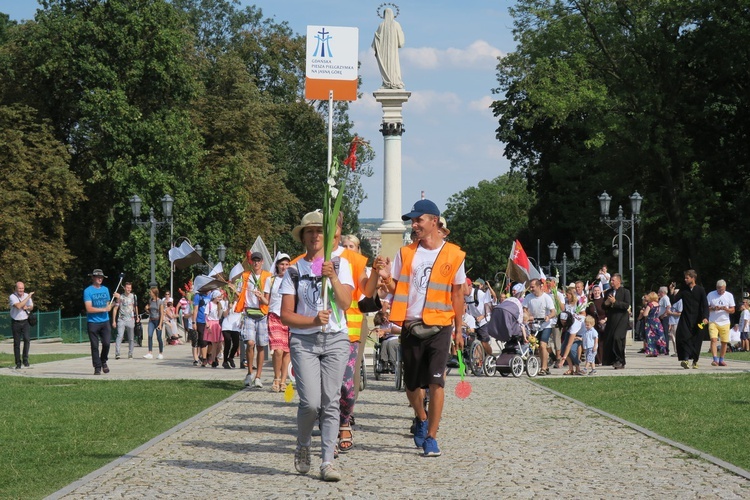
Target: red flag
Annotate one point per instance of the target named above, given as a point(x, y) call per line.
point(518, 264)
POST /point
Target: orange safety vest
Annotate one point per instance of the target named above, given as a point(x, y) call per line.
point(438, 305)
point(354, 316)
point(241, 298)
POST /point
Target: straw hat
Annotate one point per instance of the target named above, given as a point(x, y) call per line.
point(311, 219)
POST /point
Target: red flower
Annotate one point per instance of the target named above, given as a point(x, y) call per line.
point(351, 160)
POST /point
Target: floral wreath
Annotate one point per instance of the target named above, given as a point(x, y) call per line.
point(381, 12)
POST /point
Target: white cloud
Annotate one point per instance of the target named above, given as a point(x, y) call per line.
point(478, 54)
point(425, 101)
point(482, 105)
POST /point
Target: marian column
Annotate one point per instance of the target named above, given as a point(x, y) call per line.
point(391, 95)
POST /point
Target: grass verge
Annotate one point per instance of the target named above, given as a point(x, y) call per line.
point(707, 412)
point(58, 430)
point(8, 360)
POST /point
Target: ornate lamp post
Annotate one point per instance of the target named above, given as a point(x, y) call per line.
point(167, 203)
point(621, 224)
point(221, 254)
point(576, 248)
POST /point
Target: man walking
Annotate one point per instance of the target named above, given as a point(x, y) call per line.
point(96, 299)
point(665, 307)
point(616, 303)
point(541, 308)
point(429, 301)
point(689, 333)
point(252, 301)
point(20, 307)
point(124, 318)
point(720, 306)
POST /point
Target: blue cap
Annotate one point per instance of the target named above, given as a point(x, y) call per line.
point(420, 208)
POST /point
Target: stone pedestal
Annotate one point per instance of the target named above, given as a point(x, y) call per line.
point(392, 228)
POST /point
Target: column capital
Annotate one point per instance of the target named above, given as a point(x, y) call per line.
point(392, 128)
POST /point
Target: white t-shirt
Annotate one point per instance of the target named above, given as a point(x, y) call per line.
point(272, 285)
point(233, 320)
point(745, 316)
point(421, 269)
point(734, 335)
point(469, 321)
point(539, 307)
point(476, 308)
point(726, 299)
point(16, 313)
point(604, 279)
point(310, 297)
point(251, 301)
point(212, 311)
point(676, 308)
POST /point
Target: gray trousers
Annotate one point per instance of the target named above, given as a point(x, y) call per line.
point(123, 326)
point(319, 361)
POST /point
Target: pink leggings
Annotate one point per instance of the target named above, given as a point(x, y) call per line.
point(347, 387)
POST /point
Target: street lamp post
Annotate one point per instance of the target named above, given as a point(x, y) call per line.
point(576, 248)
point(621, 224)
point(167, 203)
point(221, 254)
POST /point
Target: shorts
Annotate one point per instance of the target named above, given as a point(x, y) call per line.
point(720, 332)
point(482, 334)
point(255, 330)
point(590, 355)
point(425, 359)
point(544, 335)
point(744, 336)
point(278, 334)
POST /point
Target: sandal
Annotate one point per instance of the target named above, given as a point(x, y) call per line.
point(275, 385)
point(345, 443)
point(569, 372)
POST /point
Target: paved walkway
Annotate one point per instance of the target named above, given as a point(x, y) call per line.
point(243, 447)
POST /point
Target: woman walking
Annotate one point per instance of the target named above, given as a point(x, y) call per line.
point(278, 334)
point(212, 333)
point(155, 308)
point(655, 341)
point(319, 342)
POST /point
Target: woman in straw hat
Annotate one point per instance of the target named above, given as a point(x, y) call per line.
point(319, 341)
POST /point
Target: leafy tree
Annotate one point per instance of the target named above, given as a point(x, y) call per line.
point(484, 220)
point(38, 194)
point(627, 97)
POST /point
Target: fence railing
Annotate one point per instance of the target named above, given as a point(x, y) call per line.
point(50, 325)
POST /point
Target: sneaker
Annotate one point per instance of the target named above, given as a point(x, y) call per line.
point(231, 362)
point(196, 363)
point(695, 365)
point(105, 368)
point(430, 447)
point(584, 371)
point(18, 366)
point(328, 473)
point(248, 379)
point(160, 356)
point(117, 356)
point(592, 372)
point(722, 363)
point(302, 459)
point(97, 371)
point(257, 383)
point(684, 364)
point(148, 356)
point(130, 356)
point(420, 433)
point(26, 364)
point(226, 366)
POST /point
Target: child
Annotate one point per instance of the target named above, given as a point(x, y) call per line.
point(590, 344)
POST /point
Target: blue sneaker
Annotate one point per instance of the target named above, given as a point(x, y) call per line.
point(420, 434)
point(430, 448)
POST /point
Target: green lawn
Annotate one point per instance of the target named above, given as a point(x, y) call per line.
point(736, 356)
point(707, 412)
point(58, 430)
point(8, 360)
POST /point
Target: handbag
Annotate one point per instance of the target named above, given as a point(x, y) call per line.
point(31, 319)
point(420, 330)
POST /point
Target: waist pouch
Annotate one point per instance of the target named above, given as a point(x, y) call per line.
point(254, 313)
point(420, 330)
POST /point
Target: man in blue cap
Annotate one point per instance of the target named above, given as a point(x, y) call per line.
point(427, 279)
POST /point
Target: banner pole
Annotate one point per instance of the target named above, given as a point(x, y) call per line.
point(328, 169)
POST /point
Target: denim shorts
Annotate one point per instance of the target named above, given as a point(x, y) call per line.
point(544, 335)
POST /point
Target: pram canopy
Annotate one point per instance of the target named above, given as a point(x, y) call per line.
point(504, 321)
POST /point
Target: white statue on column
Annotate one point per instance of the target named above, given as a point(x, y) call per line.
point(388, 39)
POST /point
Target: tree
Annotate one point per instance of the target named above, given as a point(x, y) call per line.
point(627, 97)
point(484, 220)
point(38, 194)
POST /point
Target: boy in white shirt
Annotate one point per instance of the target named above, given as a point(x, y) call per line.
point(590, 344)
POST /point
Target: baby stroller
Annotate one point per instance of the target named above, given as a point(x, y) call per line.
point(517, 355)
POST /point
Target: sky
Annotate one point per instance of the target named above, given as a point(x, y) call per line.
point(448, 63)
